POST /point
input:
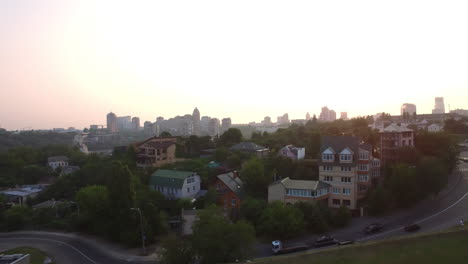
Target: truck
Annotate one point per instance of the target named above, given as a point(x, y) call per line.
point(278, 248)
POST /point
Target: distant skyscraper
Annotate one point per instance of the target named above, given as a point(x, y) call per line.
point(267, 121)
point(344, 116)
point(283, 120)
point(327, 114)
point(196, 122)
point(149, 128)
point(307, 116)
point(213, 127)
point(112, 123)
point(136, 123)
point(439, 107)
point(408, 108)
point(332, 115)
point(225, 124)
point(124, 123)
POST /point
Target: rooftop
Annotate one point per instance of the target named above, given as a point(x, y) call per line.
point(57, 159)
point(247, 146)
point(394, 127)
point(170, 178)
point(233, 182)
point(304, 185)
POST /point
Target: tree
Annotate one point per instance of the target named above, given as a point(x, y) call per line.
point(314, 217)
point(17, 217)
point(231, 137)
point(281, 221)
point(177, 251)
point(251, 210)
point(254, 177)
point(93, 202)
point(342, 217)
point(377, 202)
point(217, 241)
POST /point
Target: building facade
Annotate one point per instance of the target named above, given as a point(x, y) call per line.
point(226, 124)
point(136, 123)
point(292, 191)
point(156, 151)
point(57, 162)
point(348, 166)
point(292, 152)
point(112, 123)
point(175, 184)
point(439, 106)
point(230, 190)
point(392, 138)
point(408, 108)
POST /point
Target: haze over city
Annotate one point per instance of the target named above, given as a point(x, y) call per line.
point(69, 63)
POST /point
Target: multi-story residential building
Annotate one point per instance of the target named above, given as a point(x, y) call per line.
point(292, 191)
point(435, 128)
point(439, 107)
point(124, 123)
point(266, 121)
point(225, 124)
point(176, 184)
point(230, 190)
point(283, 120)
point(347, 164)
point(112, 123)
point(156, 151)
point(213, 127)
point(327, 114)
point(392, 138)
point(136, 123)
point(408, 108)
point(307, 116)
point(292, 152)
point(344, 116)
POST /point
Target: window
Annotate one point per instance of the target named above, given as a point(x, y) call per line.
point(363, 155)
point(327, 167)
point(336, 201)
point(346, 179)
point(345, 157)
point(328, 178)
point(299, 192)
point(336, 190)
point(345, 168)
point(364, 178)
point(347, 202)
point(233, 202)
point(188, 190)
point(327, 157)
point(347, 191)
point(363, 167)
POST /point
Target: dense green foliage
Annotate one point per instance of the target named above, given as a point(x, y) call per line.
point(279, 220)
point(33, 139)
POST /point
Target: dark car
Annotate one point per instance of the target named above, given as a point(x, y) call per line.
point(373, 228)
point(412, 228)
point(324, 241)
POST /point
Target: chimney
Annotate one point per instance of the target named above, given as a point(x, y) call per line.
point(235, 174)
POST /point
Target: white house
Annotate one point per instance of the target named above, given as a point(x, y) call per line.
point(292, 152)
point(57, 161)
point(176, 184)
point(434, 128)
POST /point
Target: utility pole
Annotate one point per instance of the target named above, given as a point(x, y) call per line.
point(141, 229)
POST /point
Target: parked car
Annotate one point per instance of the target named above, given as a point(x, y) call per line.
point(412, 227)
point(373, 228)
point(325, 241)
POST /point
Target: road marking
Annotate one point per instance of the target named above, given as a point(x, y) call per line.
point(53, 240)
point(417, 222)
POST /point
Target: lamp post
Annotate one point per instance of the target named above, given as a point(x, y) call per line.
point(141, 229)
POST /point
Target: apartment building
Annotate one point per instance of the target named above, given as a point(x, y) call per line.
point(347, 164)
point(392, 138)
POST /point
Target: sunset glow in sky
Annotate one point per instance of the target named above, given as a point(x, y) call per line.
point(68, 63)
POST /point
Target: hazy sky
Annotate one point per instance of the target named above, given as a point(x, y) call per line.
point(68, 63)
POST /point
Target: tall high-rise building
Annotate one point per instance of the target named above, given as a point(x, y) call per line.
point(266, 121)
point(124, 123)
point(112, 123)
point(307, 116)
point(332, 115)
point(213, 127)
point(439, 107)
point(196, 122)
point(225, 124)
point(136, 123)
point(344, 116)
point(408, 108)
point(327, 114)
point(283, 120)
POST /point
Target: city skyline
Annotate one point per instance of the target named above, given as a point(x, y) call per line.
point(69, 63)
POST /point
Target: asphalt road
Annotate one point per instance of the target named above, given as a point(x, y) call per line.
point(434, 214)
point(63, 249)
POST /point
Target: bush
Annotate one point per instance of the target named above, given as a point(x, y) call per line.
point(342, 217)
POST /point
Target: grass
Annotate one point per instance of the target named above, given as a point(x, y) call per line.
point(36, 255)
point(448, 247)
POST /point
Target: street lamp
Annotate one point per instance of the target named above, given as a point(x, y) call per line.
point(141, 229)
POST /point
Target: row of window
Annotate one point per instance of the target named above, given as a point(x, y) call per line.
point(345, 191)
point(338, 202)
point(306, 193)
point(343, 157)
point(190, 179)
point(330, 168)
point(361, 178)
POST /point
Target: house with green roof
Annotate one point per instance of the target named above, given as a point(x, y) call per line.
point(176, 184)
